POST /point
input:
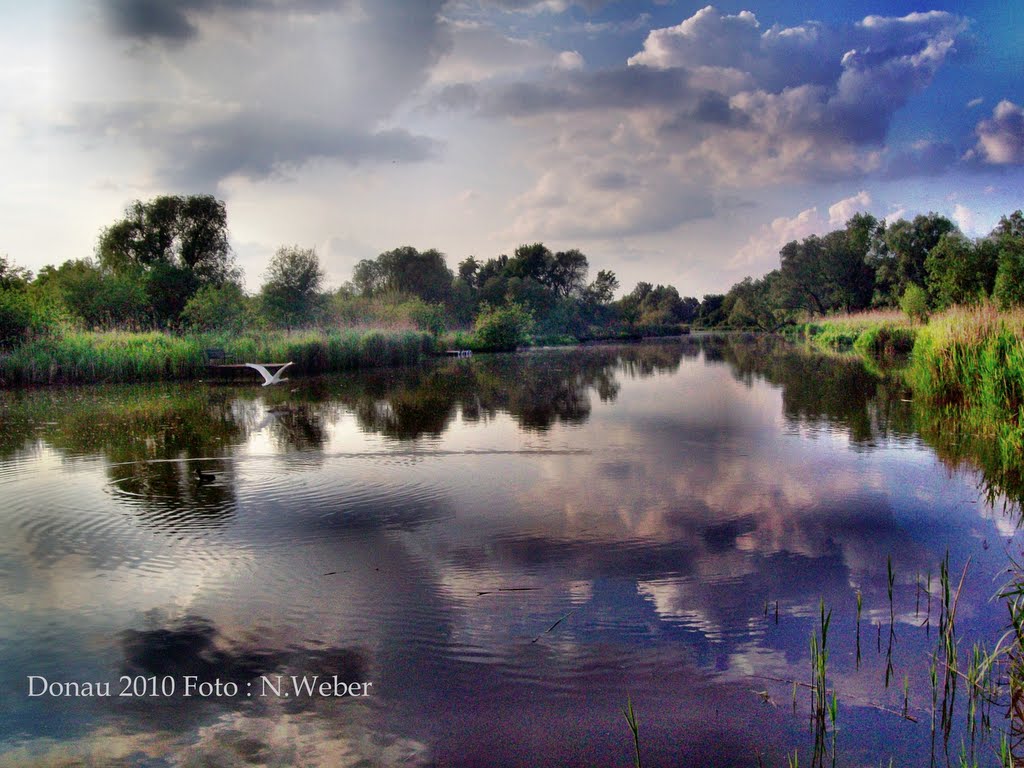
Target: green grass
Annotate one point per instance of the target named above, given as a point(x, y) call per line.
point(121, 356)
point(875, 333)
point(967, 360)
point(970, 364)
point(965, 371)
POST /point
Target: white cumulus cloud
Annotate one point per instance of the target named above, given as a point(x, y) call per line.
point(840, 212)
point(761, 251)
point(1001, 137)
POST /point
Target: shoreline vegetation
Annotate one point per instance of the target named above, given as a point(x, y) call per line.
point(963, 367)
point(91, 357)
point(163, 286)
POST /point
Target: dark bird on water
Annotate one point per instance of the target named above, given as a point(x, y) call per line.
point(205, 477)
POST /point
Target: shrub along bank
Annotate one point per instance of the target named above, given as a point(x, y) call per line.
point(966, 363)
point(121, 356)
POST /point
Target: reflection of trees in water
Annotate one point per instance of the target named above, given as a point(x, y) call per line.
point(538, 389)
point(301, 427)
point(823, 389)
point(847, 392)
point(156, 437)
point(152, 438)
point(959, 441)
point(143, 424)
point(407, 403)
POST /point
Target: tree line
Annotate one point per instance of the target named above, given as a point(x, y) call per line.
point(167, 264)
point(920, 265)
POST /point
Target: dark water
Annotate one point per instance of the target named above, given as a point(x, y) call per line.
point(506, 547)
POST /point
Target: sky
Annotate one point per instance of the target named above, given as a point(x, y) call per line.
point(669, 141)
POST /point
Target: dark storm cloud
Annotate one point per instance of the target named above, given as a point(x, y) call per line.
point(174, 20)
point(610, 180)
point(455, 97)
point(625, 88)
point(709, 108)
point(261, 113)
point(256, 145)
point(260, 147)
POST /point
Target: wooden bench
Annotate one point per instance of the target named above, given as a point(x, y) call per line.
point(216, 357)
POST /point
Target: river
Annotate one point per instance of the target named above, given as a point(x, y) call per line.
point(497, 552)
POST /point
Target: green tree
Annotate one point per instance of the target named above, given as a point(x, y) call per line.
point(1009, 287)
point(711, 313)
point(602, 290)
point(532, 261)
point(759, 304)
point(915, 302)
point(420, 273)
point(172, 244)
point(1007, 240)
point(218, 308)
point(656, 305)
point(567, 273)
point(16, 317)
point(469, 269)
point(367, 278)
point(291, 291)
point(1011, 227)
point(906, 247)
point(847, 257)
point(12, 276)
point(502, 329)
point(803, 271)
point(823, 274)
point(958, 271)
point(21, 313)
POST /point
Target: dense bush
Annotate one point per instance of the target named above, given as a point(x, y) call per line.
point(16, 317)
point(97, 298)
point(502, 329)
point(428, 317)
point(884, 340)
point(1009, 288)
point(915, 302)
point(212, 309)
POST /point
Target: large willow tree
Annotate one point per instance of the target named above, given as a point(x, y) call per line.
point(174, 245)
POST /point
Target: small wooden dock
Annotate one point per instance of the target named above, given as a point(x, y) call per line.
point(217, 364)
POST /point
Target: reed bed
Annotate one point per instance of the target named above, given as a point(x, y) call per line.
point(972, 358)
point(868, 319)
point(875, 333)
point(122, 356)
point(968, 359)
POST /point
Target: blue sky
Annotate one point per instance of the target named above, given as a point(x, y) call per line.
point(670, 141)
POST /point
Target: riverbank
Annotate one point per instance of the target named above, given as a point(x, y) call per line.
point(80, 357)
point(95, 357)
point(875, 334)
point(965, 364)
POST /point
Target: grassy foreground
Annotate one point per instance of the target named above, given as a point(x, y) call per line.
point(121, 356)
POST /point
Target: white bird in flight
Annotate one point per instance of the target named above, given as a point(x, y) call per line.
point(267, 378)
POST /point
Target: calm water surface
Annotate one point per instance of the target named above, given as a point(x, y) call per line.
point(506, 547)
